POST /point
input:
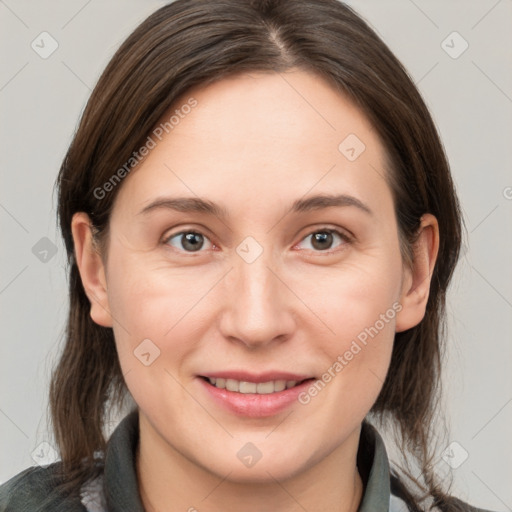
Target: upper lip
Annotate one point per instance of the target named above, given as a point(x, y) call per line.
point(256, 377)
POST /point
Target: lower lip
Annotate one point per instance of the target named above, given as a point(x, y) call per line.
point(254, 405)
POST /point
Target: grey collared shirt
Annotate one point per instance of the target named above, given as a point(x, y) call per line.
point(116, 490)
point(98, 497)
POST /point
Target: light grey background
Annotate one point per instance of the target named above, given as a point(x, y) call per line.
point(471, 100)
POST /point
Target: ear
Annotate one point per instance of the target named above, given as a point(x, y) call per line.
point(91, 268)
point(416, 280)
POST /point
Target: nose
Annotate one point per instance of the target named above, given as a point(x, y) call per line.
point(258, 305)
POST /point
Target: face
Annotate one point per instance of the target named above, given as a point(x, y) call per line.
point(275, 288)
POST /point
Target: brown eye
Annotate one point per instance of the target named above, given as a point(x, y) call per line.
point(323, 240)
point(187, 241)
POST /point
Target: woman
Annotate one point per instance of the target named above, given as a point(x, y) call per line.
point(261, 228)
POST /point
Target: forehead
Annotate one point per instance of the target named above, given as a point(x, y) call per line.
point(260, 138)
point(268, 110)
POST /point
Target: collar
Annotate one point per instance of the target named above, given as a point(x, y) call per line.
point(120, 479)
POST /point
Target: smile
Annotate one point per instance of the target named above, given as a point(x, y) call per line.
point(253, 395)
point(260, 388)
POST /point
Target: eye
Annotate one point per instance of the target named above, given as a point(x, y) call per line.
point(193, 241)
point(188, 241)
point(323, 239)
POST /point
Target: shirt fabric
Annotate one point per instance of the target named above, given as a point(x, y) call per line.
point(116, 489)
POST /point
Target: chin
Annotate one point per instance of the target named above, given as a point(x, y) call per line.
point(267, 465)
point(260, 473)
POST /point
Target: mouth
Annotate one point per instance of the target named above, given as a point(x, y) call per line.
point(259, 388)
point(254, 396)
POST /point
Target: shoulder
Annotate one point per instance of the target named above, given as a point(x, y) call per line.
point(33, 490)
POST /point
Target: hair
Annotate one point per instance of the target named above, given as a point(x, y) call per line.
point(191, 43)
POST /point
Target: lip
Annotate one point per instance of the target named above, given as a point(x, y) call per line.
point(256, 377)
point(254, 405)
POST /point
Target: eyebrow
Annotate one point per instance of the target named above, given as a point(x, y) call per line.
point(198, 205)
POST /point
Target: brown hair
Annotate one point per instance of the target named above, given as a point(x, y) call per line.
point(196, 42)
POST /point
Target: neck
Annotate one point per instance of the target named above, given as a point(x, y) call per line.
point(170, 482)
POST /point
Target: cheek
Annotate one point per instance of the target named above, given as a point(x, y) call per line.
point(149, 303)
point(152, 310)
point(354, 361)
point(357, 305)
point(353, 297)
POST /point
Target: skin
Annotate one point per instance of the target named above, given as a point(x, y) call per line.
point(254, 145)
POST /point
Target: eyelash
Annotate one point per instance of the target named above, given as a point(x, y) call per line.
point(346, 239)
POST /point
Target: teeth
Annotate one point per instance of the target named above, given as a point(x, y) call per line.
point(247, 387)
point(260, 388)
point(232, 385)
point(265, 388)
